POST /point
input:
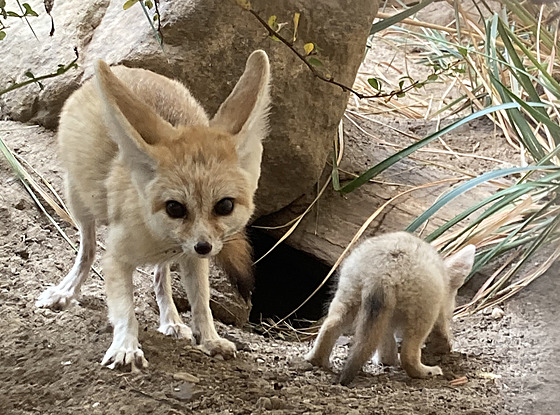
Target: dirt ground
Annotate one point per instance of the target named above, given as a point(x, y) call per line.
point(49, 362)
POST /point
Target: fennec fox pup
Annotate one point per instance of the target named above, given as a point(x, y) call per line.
point(393, 283)
point(142, 156)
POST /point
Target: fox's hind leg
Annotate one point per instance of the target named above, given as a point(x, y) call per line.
point(340, 315)
point(169, 318)
point(64, 294)
point(413, 339)
point(372, 324)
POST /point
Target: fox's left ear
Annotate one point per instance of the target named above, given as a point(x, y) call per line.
point(244, 114)
point(459, 266)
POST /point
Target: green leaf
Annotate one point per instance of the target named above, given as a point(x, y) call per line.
point(129, 4)
point(400, 95)
point(12, 14)
point(148, 4)
point(28, 10)
point(375, 84)
point(432, 77)
point(314, 61)
point(156, 17)
point(245, 4)
point(2, 35)
point(272, 22)
point(2, 4)
point(29, 74)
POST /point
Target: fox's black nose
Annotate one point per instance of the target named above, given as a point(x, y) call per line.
point(203, 248)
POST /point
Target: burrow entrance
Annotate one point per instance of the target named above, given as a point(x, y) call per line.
point(284, 279)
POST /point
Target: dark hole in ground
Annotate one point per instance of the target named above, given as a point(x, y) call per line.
point(284, 279)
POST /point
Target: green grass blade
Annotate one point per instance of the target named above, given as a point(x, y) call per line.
point(469, 185)
point(390, 21)
point(493, 253)
point(388, 162)
point(518, 64)
point(466, 213)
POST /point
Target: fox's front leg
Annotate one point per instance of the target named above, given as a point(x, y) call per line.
point(196, 283)
point(169, 318)
point(125, 349)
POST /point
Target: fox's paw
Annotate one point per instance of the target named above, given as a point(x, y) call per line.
point(433, 371)
point(320, 361)
point(423, 372)
point(124, 354)
point(56, 298)
point(218, 346)
point(176, 330)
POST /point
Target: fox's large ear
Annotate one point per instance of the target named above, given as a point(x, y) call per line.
point(131, 124)
point(459, 266)
point(245, 113)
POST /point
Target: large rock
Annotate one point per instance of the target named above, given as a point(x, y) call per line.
point(206, 45)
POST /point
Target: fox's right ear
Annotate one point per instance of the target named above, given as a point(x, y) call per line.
point(459, 265)
point(244, 114)
point(131, 124)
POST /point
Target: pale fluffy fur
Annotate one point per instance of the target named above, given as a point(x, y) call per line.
point(131, 141)
point(393, 283)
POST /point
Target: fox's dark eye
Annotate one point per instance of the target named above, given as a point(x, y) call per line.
point(224, 207)
point(175, 209)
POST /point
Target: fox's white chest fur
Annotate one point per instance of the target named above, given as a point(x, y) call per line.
point(393, 283)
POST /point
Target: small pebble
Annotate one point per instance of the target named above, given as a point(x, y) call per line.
point(497, 313)
point(187, 377)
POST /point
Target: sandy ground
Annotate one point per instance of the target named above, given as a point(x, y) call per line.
point(49, 361)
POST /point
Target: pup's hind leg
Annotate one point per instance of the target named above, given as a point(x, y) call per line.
point(387, 353)
point(64, 294)
point(340, 316)
point(413, 339)
point(197, 285)
point(170, 322)
point(372, 324)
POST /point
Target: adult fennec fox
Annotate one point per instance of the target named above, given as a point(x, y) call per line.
point(393, 283)
point(142, 156)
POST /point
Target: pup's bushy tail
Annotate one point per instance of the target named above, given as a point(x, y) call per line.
point(236, 259)
point(371, 324)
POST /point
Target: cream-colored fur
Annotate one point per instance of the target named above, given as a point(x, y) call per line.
point(142, 156)
point(393, 283)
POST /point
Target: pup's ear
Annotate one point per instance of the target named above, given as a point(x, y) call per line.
point(244, 113)
point(131, 124)
point(459, 266)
